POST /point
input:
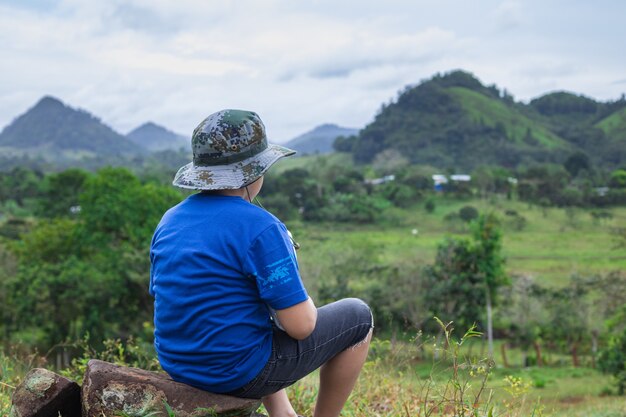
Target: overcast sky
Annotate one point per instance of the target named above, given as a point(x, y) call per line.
point(297, 63)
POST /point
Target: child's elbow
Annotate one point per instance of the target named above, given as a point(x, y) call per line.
point(299, 321)
point(305, 328)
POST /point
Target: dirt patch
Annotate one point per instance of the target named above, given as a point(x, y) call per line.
point(571, 400)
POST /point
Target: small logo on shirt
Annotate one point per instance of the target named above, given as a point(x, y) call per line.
point(277, 273)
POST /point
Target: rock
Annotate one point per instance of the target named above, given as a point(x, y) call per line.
point(46, 394)
point(110, 390)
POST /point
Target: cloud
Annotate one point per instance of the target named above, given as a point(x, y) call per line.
point(508, 15)
point(298, 63)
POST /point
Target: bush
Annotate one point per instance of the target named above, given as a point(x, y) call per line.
point(354, 208)
point(430, 205)
point(468, 213)
point(612, 359)
point(281, 206)
point(399, 194)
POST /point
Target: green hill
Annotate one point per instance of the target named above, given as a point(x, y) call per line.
point(157, 138)
point(320, 139)
point(493, 112)
point(56, 132)
point(614, 125)
point(454, 121)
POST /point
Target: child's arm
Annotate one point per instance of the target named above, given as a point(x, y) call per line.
point(298, 320)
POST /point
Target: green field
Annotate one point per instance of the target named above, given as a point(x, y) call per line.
point(395, 382)
point(555, 243)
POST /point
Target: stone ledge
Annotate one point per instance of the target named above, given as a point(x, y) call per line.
point(46, 394)
point(110, 390)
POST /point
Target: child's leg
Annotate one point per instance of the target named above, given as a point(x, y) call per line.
point(337, 378)
point(278, 405)
point(339, 345)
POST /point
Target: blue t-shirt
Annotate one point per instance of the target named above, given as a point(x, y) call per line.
point(218, 262)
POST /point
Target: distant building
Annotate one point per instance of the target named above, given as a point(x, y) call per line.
point(441, 180)
point(601, 191)
point(461, 178)
point(382, 180)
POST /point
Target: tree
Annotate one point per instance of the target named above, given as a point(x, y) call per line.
point(20, 184)
point(454, 284)
point(89, 273)
point(613, 356)
point(618, 178)
point(344, 144)
point(576, 163)
point(569, 317)
point(524, 315)
point(468, 213)
point(489, 263)
point(61, 193)
point(466, 271)
point(115, 206)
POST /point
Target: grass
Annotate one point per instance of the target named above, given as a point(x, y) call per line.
point(14, 366)
point(395, 383)
point(402, 378)
point(516, 124)
point(554, 244)
point(615, 124)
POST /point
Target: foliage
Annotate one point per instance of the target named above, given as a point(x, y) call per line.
point(618, 178)
point(488, 246)
point(612, 358)
point(429, 205)
point(64, 133)
point(455, 284)
point(20, 184)
point(464, 271)
point(344, 144)
point(87, 273)
point(577, 162)
point(132, 352)
point(565, 103)
point(61, 193)
point(453, 120)
point(468, 213)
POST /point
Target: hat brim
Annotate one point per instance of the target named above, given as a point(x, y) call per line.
point(231, 176)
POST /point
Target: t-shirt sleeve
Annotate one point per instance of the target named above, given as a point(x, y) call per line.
point(271, 260)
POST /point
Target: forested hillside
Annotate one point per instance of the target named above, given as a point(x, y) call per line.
point(320, 139)
point(157, 138)
point(56, 132)
point(453, 120)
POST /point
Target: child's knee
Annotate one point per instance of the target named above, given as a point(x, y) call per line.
point(362, 310)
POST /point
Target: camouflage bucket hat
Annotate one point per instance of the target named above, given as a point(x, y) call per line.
point(230, 151)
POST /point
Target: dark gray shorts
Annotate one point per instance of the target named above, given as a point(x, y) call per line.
point(340, 325)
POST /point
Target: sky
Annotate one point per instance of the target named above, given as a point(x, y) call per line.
point(298, 64)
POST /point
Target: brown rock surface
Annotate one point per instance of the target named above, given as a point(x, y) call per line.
point(111, 390)
point(46, 394)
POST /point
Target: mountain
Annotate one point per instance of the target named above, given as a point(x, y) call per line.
point(56, 132)
point(453, 120)
point(320, 139)
point(157, 138)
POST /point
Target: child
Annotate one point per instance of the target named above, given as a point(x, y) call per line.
point(231, 313)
